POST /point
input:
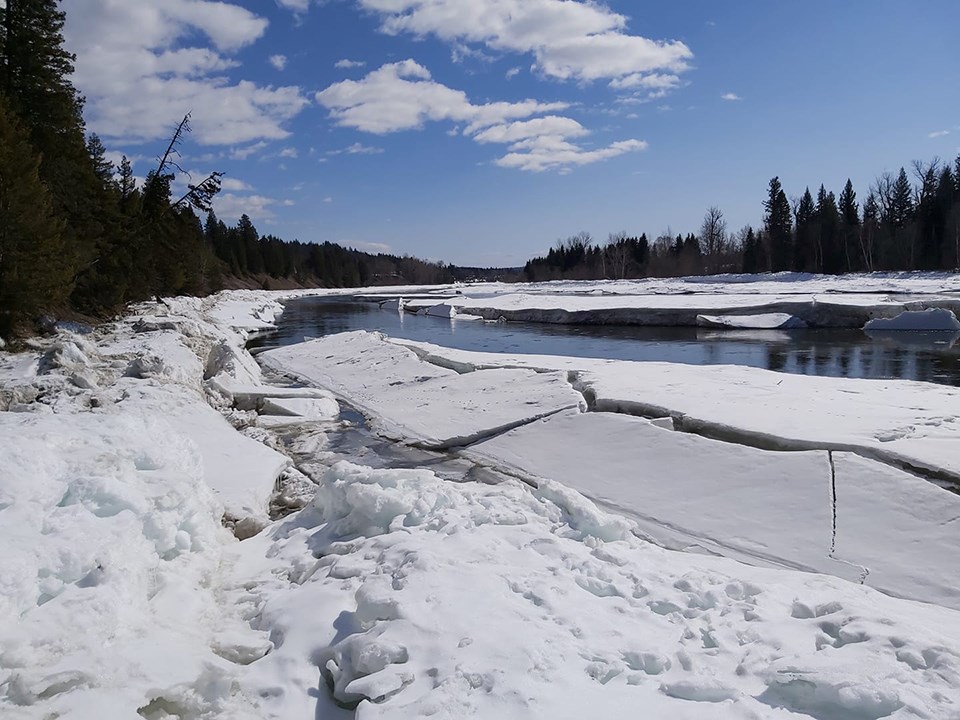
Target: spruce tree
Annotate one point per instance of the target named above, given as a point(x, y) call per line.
point(778, 224)
point(850, 226)
point(805, 252)
point(34, 274)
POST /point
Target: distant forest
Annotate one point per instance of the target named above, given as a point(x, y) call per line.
point(80, 234)
point(902, 224)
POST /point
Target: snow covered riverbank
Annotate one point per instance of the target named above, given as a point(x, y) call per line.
point(396, 593)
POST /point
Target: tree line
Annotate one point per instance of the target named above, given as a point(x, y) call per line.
point(79, 234)
point(906, 222)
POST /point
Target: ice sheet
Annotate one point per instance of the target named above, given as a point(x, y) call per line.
point(417, 401)
point(762, 506)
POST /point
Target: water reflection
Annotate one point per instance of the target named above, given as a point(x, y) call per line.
point(932, 357)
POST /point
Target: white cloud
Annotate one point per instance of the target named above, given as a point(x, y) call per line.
point(570, 40)
point(278, 61)
point(230, 206)
point(938, 134)
point(653, 81)
point(523, 130)
point(289, 152)
point(245, 152)
point(356, 149)
point(328, 199)
point(346, 64)
point(140, 80)
point(513, 72)
point(730, 97)
point(551, 152)
point(403, 96)
point(232, 184)
point(298, 6)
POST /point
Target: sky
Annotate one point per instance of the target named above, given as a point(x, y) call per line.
point(479, 132)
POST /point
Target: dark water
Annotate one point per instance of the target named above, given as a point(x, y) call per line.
point(932, 357)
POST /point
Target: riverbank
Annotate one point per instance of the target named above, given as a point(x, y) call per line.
point(134, 457)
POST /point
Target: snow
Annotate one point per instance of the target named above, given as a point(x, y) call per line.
point(414, 400)
point(896, 421)
point(404, 592)
point(771, 508)
point(412, 596)
point(927, 320)
point(770, 321)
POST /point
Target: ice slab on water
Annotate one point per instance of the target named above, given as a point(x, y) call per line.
point(898, 421)
point(757, 505)
point(769, 321)
point(419, 401)
point(931, 320)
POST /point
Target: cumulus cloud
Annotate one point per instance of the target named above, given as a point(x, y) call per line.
point(142, 65)
point(512, 73)
point(404, 96)
point(523, 130)
point(730, 97)
point(346, 64)
point(278, 61)
point(569, 39)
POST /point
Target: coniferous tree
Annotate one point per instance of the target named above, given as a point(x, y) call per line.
point(34, 274)
point(849, 226)
point(805, 251)
point(828, 228)
point(778, 224)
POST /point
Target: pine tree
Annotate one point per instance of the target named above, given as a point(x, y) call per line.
point(778, 224)
point(750, 259)
point(33, 273)
point(828, 228)
point(850, 226)
point(805, 253)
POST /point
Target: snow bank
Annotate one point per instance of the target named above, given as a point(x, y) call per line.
point(410, 399)
point(771, 321)
point(411, 596)
point(933, 319)
point(116, 474)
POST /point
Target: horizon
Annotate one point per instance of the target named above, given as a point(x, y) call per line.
point(479, 138)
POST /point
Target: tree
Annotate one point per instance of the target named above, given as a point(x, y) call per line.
point(713, 237)
point(751, 259)
point(869, 231)
point(806, 253)
point(828, 233)
point(778, 225)
point(34, 267)
point(849, 225)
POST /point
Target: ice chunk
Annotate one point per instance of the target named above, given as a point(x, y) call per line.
point(769, 321)
point(930, 320)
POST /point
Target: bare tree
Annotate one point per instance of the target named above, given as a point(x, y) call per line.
point(713, 238)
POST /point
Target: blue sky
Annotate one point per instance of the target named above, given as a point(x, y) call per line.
point(481, 131)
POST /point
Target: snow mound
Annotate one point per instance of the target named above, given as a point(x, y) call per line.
point(768, 321)
point(412, 596)
point(930, 320)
